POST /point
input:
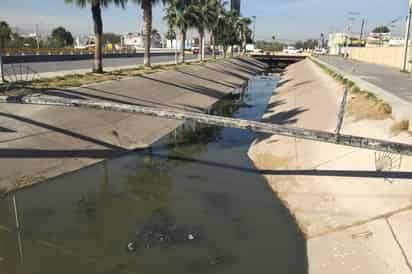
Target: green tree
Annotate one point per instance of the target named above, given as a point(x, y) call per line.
point(156, 35)
point(270, 46)
point(381, 29)
point(170, 34)
point(216, 8)
point(96, 9)
point(147, 6)
point(180, 14)
point(204, 20)
point(228, 31)
point(111, 38)
point(61, 37)
point(5, 35)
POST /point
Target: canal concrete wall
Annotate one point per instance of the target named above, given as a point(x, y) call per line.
point(353, 223)
point(40, 142)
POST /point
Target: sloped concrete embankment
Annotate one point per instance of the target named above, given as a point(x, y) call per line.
point(40, 142)
point(353, 223)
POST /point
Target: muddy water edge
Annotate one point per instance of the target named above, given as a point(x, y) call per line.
point(193, 203)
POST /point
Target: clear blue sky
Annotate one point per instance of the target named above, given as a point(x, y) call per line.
point(287, 19)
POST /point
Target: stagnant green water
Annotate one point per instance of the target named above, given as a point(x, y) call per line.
point(194, 204)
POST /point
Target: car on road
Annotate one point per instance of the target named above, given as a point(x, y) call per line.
point(208, 50)
point(195, 50)
point(293, 50)
point(320, 51)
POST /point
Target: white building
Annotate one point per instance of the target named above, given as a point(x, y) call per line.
point(136, 41)
point(173, 44)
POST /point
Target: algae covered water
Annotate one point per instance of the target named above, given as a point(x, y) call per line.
point(194, 203)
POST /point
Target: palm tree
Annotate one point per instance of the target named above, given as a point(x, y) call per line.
point(180, 14)
point(206, 13)
point(147, 6)
point(96, 8)
point(5, 33)
point(216, 8)
point(244, 22)
point(228, 31)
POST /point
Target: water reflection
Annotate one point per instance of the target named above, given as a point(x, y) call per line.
point(177, 208)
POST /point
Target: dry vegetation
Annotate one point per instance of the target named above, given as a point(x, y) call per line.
point(362, 104)
point(400, 127)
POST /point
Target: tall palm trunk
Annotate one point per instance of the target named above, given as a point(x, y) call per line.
point(213, 38)
point(244, 42)
point(1, 60)
point(202, 45)
point(225, 51)
point(147, 32)
point(98, 32)
point(183, 40)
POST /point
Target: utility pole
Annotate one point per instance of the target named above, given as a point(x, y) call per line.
point(407, 34)
point(362, 29)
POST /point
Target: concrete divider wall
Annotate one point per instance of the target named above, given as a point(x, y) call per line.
point(388, 56)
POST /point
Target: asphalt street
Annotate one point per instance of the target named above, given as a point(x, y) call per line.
point(41, 67)
point(387, 78)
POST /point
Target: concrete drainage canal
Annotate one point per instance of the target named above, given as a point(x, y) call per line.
point(194, 203)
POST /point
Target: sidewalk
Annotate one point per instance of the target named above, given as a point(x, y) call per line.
point(387, 83)
point(40, 142)
point(353, 223)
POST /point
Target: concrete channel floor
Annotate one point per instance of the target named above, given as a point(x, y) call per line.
point(387, 78)
point(353, 223)
point(39, 142)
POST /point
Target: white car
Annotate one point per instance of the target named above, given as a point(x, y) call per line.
point(292, 49)
point(320, 51)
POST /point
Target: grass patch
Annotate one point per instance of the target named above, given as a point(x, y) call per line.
point(362, 104)
point(400, 126)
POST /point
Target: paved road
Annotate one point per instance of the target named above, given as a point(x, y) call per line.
point(387, 78)
point(42, 67)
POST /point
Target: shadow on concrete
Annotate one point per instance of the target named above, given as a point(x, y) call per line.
point(4, 153)
point(7, 130)
point(303, 83)
point(275, 104)
point(192, 88)
point(253, 63)
point(228, 72)
point(304, 172)
point(283, 82)
point(285, 117)
point(207, 79)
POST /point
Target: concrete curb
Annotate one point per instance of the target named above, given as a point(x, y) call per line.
point(400, 107)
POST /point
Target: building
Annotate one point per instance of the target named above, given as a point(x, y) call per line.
point(338, 43)
point(136, 41)
point(235, 6)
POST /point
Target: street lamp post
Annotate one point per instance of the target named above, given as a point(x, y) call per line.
point(407, 34)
